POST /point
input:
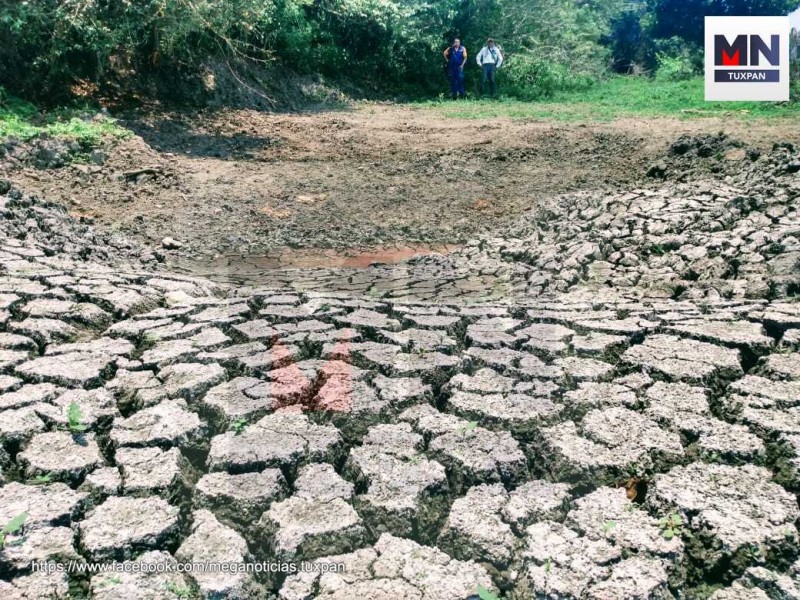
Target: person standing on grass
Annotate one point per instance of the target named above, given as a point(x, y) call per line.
point(456, 57)
point(489, 59)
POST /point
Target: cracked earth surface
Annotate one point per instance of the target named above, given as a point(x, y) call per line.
point(602, 401)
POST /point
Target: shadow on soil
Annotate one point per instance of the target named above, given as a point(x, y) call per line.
point(177, 137)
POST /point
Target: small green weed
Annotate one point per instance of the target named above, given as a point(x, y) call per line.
point(754, 553)
point(13, 526)
point(148, 341)
point(178, 590)
point(238, 425)
point(672, 525)
point(42, 479)
point(485, 594)
point(75, 418)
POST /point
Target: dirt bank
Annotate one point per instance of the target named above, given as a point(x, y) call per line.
point(374, 176)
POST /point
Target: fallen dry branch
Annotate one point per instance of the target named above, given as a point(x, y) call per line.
point(144, 171)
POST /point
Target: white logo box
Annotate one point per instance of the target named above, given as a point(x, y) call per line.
point(746, 82)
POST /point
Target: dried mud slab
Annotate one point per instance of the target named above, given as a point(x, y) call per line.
point(393, 568)
point(730, 511)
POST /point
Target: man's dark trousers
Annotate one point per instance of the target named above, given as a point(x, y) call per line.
point(489, 71)
point(457, 89)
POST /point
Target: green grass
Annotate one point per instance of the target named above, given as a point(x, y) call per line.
point(20, 119)
point(615, 98)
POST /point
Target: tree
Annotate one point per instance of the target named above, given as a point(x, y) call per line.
point(628, 41)
point(685, 18)
point(47, 45)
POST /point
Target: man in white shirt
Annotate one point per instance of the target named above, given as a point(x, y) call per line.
point(489, 59)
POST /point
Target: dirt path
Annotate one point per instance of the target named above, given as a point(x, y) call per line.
point(243, 182)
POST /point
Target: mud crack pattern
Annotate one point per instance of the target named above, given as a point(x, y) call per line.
point(598, 442)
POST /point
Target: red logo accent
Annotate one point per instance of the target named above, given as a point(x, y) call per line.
point(730, 61)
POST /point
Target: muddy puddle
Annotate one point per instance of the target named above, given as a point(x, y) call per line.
point(241, 268)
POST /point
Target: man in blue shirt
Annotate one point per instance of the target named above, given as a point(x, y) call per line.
point(456, 57)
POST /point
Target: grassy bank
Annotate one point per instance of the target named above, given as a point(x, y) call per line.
point(618, 97)
point(22, 120)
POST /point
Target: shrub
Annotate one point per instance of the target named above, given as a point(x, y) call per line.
point(674, 68)
point(530, 78)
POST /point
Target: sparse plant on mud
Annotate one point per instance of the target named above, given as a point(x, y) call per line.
point(485, 594)
point(469, 427)
point(238, 425)
point(672, 525)
point(636, 472)
point(42, 479)
point(783, 349)
point(13, 526)
point(753, 553)
point(113, 580)
point(177, 590)
point(75, 419)
point(609, 525)
point(148, 341)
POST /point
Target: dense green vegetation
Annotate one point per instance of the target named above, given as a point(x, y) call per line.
point(22, 120)
point(645, 34)
point(51, 50)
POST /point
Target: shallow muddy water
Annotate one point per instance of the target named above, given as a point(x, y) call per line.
point(239, 268)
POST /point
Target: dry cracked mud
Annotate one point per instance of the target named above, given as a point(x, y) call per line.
point(601, 401)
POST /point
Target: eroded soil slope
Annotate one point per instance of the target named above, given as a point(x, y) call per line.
point(252, 183)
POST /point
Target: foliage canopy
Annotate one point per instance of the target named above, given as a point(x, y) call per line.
point(55, 49)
